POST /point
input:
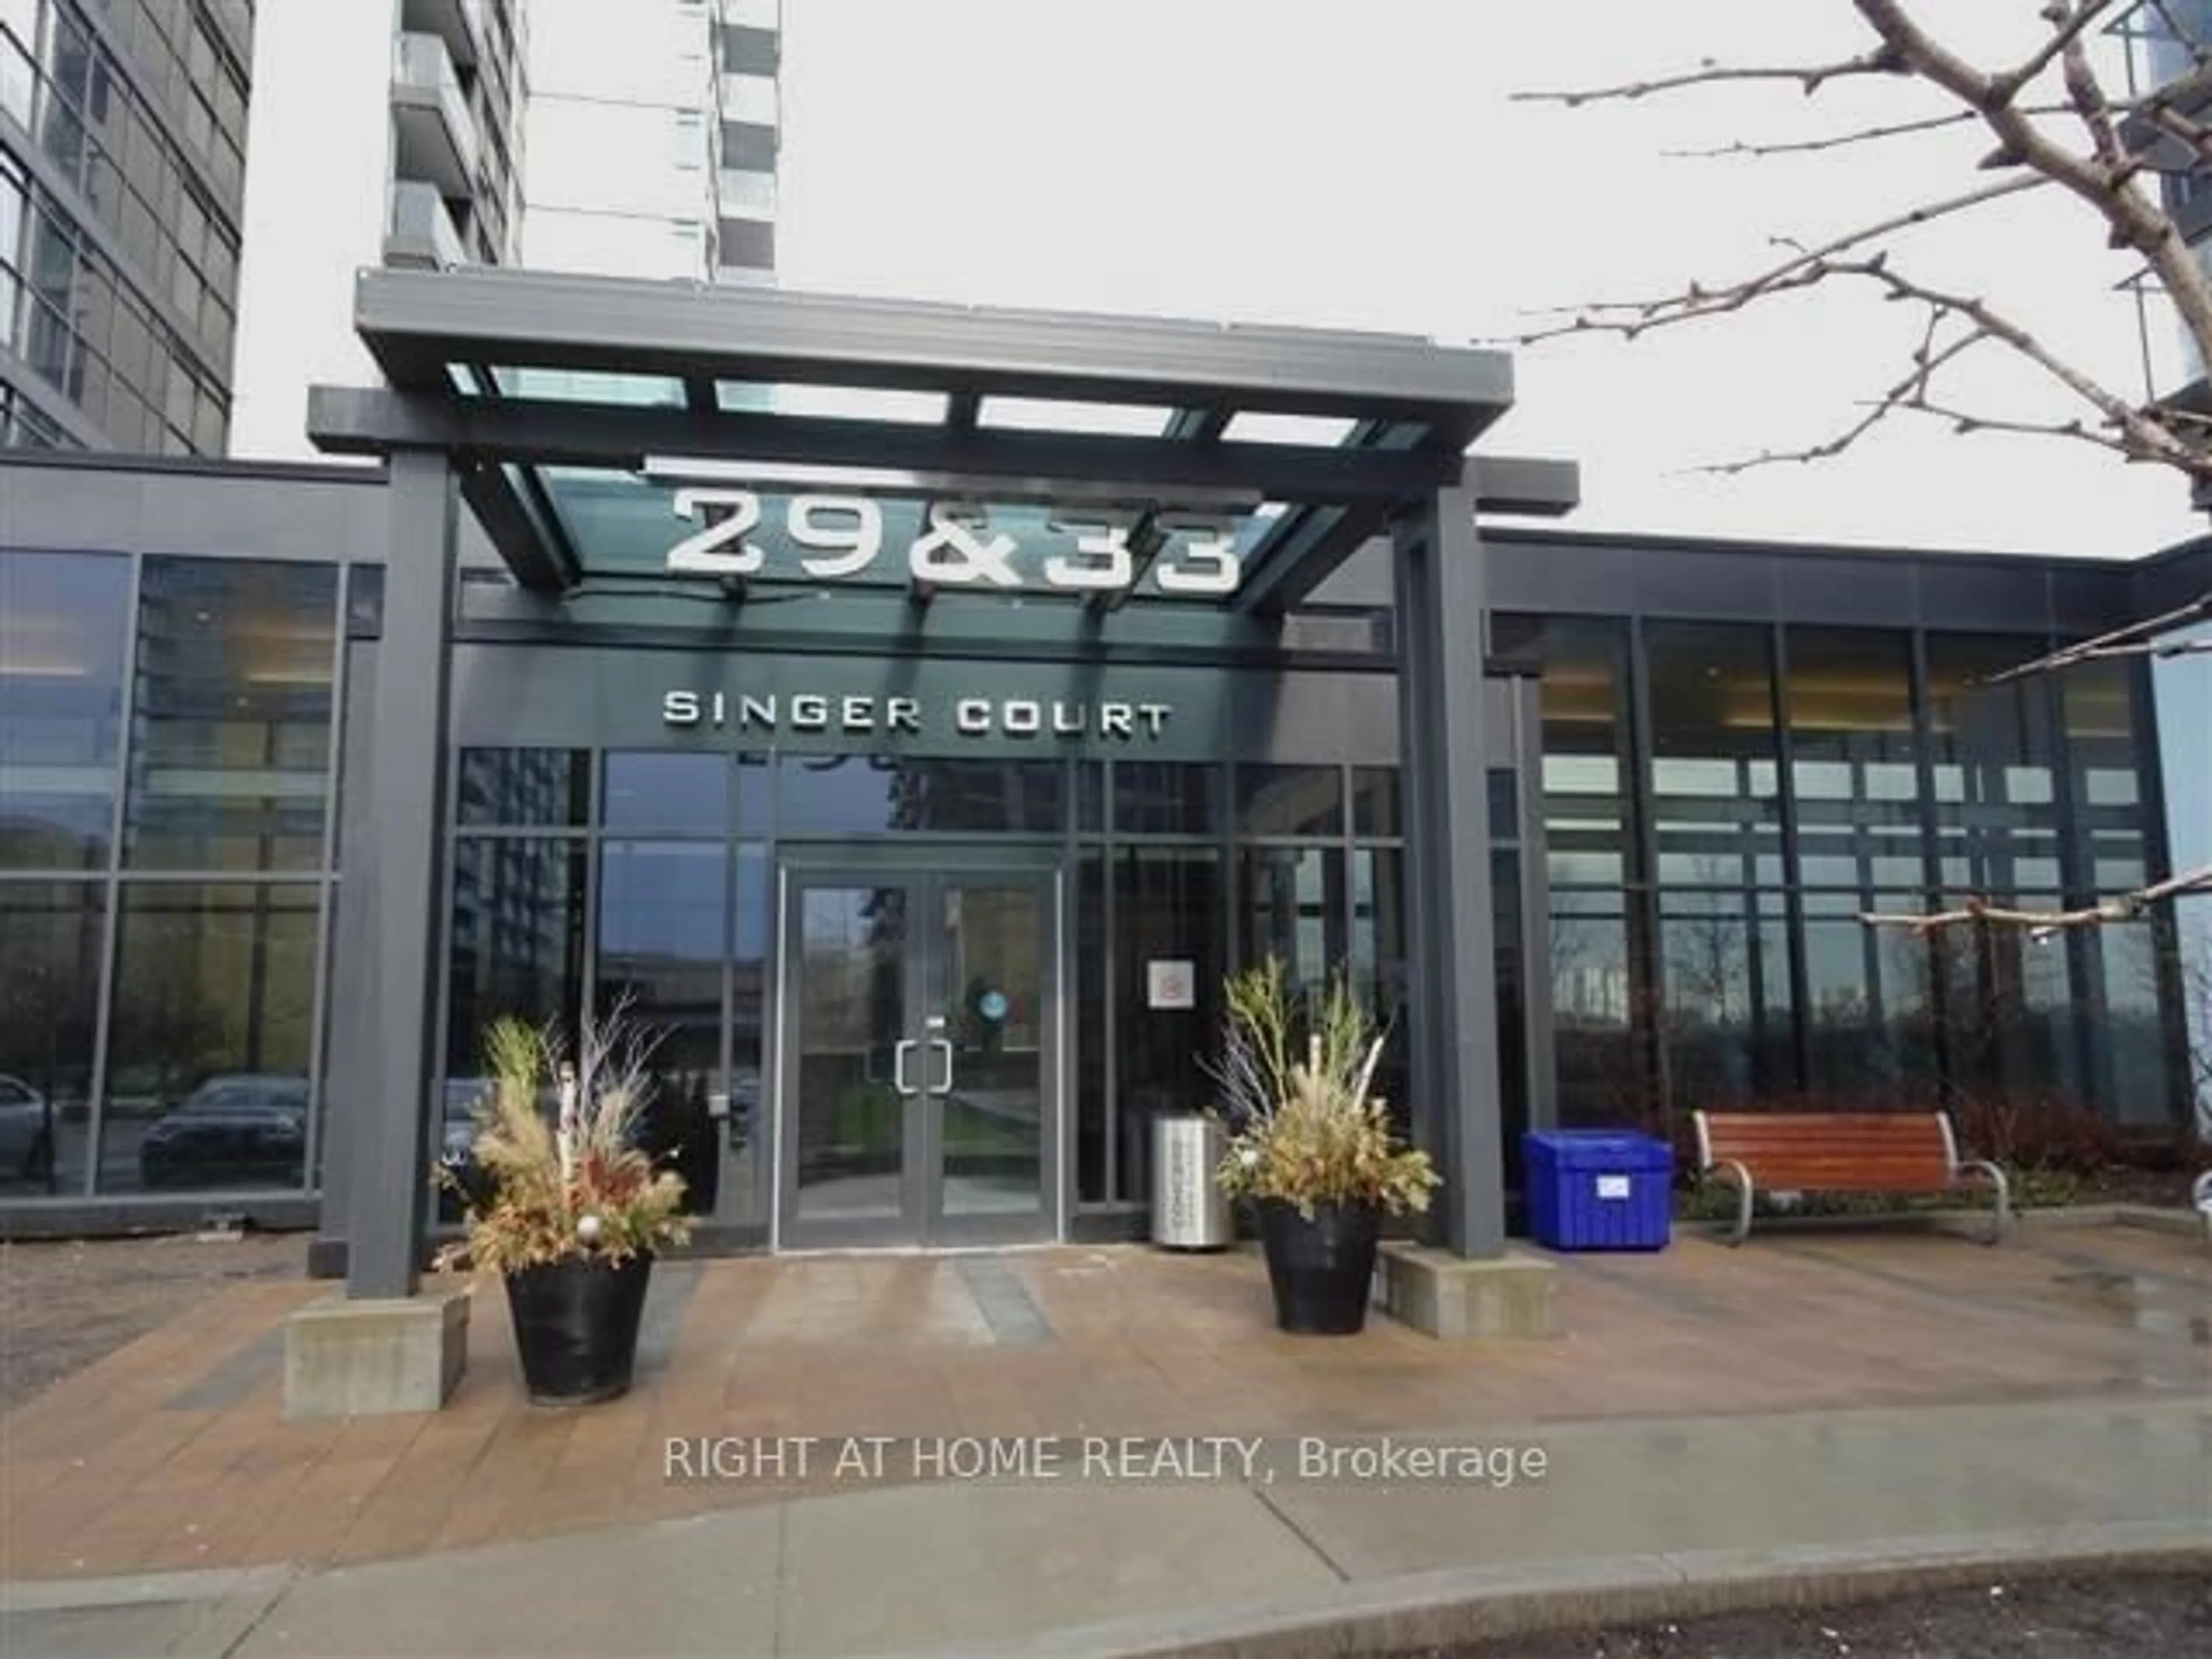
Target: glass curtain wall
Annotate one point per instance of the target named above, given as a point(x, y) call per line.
point(648, 897)
point(1594, 865)
point(1192, 864)
point(1860, 818)
point(1707, 940)
point(1724, 1008)
point(166, 872)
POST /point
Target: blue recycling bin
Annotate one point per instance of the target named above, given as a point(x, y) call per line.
point(1598, 1189)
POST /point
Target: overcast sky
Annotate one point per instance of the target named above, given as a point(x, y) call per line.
point(1361, 165)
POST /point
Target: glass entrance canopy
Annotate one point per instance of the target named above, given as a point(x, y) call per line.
point(605, 428)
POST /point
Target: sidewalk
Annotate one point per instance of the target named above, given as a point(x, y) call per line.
point(1809, 1396)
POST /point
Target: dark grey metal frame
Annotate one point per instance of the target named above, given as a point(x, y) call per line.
point(927, 872)
point(116, 876)
point(1416, 408)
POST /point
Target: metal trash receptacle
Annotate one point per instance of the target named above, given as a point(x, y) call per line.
point(1189, 1210)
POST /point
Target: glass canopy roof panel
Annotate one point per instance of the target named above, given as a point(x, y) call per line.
point(589, 385)
point(841, 403)
point(626, 526)
point(1110, 420)
point(1264, 426)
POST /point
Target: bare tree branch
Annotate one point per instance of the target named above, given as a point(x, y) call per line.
point(1630, 318)
point(2124, 907)
point(1831, 140)
point(2136, 636)
point(2053, 122)
point(1879, 61)
point(2067, 21)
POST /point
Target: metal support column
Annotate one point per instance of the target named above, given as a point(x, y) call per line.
point(1444, 743)
point(405, 851)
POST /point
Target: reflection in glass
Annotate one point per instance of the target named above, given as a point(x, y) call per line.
point(1089, 967)
point(1377, 809)
point(663, 911)
point(666, 795)
point(1726, 1017)
point(1994, 762)
point(517, 945)
point(1853, 772)
point(1289, 904)
point(989, 1087)
point(858, 794)
point(1602, 1076)
point(744, 1193)
point(211, 1039)
point(1508, 967)
point(63, 622)
point(1715, 805)
point(1290, 800)
point(2136, 1084)
point(1167, 908)
point(2008, 1026)
point(1583, 698)
point(1166, 797)
point(524, 789)
point(231, 717)
point(852, 990)
point(1377, 964)
point(50, 939)
point(1870, 1023)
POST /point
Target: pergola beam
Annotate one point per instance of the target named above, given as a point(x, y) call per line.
point(415, 323)
point(347, 421)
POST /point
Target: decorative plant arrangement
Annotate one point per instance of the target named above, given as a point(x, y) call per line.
point(1309, 1143)
point(564, 1205)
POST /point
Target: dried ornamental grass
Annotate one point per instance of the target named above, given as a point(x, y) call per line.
point(573, 1185)
point(1305, 1128)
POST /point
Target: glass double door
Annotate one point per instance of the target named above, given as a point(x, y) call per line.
point(920, 1073)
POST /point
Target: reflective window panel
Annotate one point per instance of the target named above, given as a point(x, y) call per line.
point(1602, 1078)
point(654, 792)
point(212, 1037)
point(1716, 799)
point(1853, 772)
point(856, 794)
point(517, 943)
point(524, 789)
point(664, 920)
point(1167, 909)
point(1166, 797)
point(231, 720)
point(1725, 958)
point(65, 621)
point(50, 944)
point(1290, 800)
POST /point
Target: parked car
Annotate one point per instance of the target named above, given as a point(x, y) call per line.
point(27, 1131)
point(236, 1128)
point(457, 1140)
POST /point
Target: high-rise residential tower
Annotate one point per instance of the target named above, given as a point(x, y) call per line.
point(637, 140)
point(652, 146)
point(387, 132)
point(123, 133)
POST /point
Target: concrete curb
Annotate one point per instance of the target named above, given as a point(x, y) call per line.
point(208, 1612)
point(1437, 1609)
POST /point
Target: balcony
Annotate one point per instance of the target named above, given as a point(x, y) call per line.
point(434, 136)
point(459, 23)
point(419, 233)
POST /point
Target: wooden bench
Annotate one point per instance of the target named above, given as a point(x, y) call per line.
point(1839, 1153)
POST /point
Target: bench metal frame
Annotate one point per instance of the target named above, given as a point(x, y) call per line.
point(1959, 1171)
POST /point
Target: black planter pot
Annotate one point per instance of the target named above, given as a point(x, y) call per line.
point(1321, 1269)
point(576, 1327)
